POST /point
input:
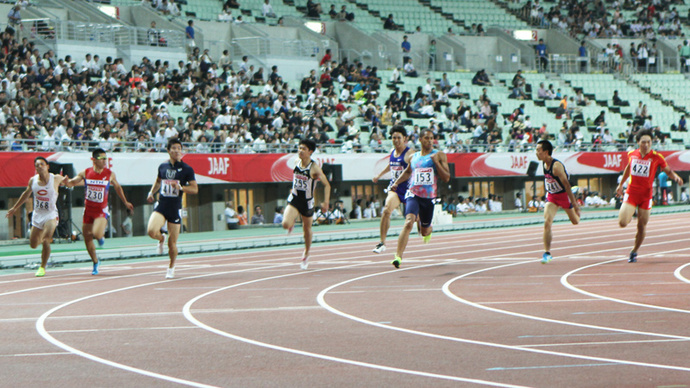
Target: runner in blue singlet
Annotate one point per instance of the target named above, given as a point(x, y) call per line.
point(397, 163)
point(424, 170)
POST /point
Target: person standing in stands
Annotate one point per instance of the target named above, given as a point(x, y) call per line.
point(301, 199)
point(424, 169)
point(398, 160)
point(641, 169)
point(44, 187)
point(558, 194)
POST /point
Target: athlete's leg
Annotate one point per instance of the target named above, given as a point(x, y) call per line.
point(392, 202)
point(290, 216)
point(403, 238)
point(156, 222)
point(99, 225)
point(87, 231)
point(308, 234)
point(46, 238)
point(550, 210)
point(173, 234)
point(642, 219)
point(625, 214)
point(573, 215)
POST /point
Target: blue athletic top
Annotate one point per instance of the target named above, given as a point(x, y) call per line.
point(423, 180)
point(398, 165)
point(169, 195)
point(552, 183)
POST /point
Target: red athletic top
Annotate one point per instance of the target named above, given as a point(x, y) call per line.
point(97, 187)
point(643, 171)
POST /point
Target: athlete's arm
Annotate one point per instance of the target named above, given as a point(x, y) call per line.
point(58, 180)
point(191, 188)
point(382, 173)
point(25, 195)
point(671, 174)
point(441, 162)
point(76, 180)
point(317, 173)
point(559, 172)
point(402, 178)
point(626, 175)
point(119, 191)
point(154, 189)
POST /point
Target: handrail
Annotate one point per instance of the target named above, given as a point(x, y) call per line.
point(42, 145)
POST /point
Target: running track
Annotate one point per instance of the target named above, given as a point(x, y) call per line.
point(470, 309)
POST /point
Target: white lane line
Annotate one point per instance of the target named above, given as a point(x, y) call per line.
point(566, 283)
point(124, 329)
point(540, 301)
point(679, 276)
point(600, 343)
point(40, 327)
point(36, 354)
point(188, 314)
point(446, 290)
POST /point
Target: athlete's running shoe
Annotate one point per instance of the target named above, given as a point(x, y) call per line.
point(633, 257)
point(41, 272)
point(426, 239)
point(396, 261)
point(101, 242)
point(95, 267)
point(304, 263)
point(546, 258)
point(161, 247)
point(170, 273)
point(380, 248)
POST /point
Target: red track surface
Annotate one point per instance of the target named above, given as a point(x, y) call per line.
point(469, 309)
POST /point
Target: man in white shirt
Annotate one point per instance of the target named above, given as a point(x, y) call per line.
point(267, 10)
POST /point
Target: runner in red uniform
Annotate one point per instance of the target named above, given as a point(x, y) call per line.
point(641, 168)
point(97, 180)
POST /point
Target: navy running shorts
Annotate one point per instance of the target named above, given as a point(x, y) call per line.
point(421, 207)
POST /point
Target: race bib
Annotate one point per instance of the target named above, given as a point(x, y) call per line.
point(170, 188)
point(641, 168)
point(300, 183)
point(396, 171)
point(41, 203)
point(552, 185)
point(424, 176)
point(95, 194)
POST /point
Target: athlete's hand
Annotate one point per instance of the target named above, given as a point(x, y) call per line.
point(150, 198)
point(678, 180)
point(324, 207)
point(619, 191)
point(394, 186)
point(129, 205)
point(375, 179)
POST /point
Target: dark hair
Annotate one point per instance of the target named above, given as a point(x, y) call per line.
point(421, 132)
point(40, 158)
point(546, 146)
point(309, 144)
point(399, 129)
point(172, 141)
point(97, 152)
point(643, 132)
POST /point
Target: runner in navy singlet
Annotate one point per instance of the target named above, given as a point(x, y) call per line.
point(558, 194)
point(397, 163)
point(174, 179)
